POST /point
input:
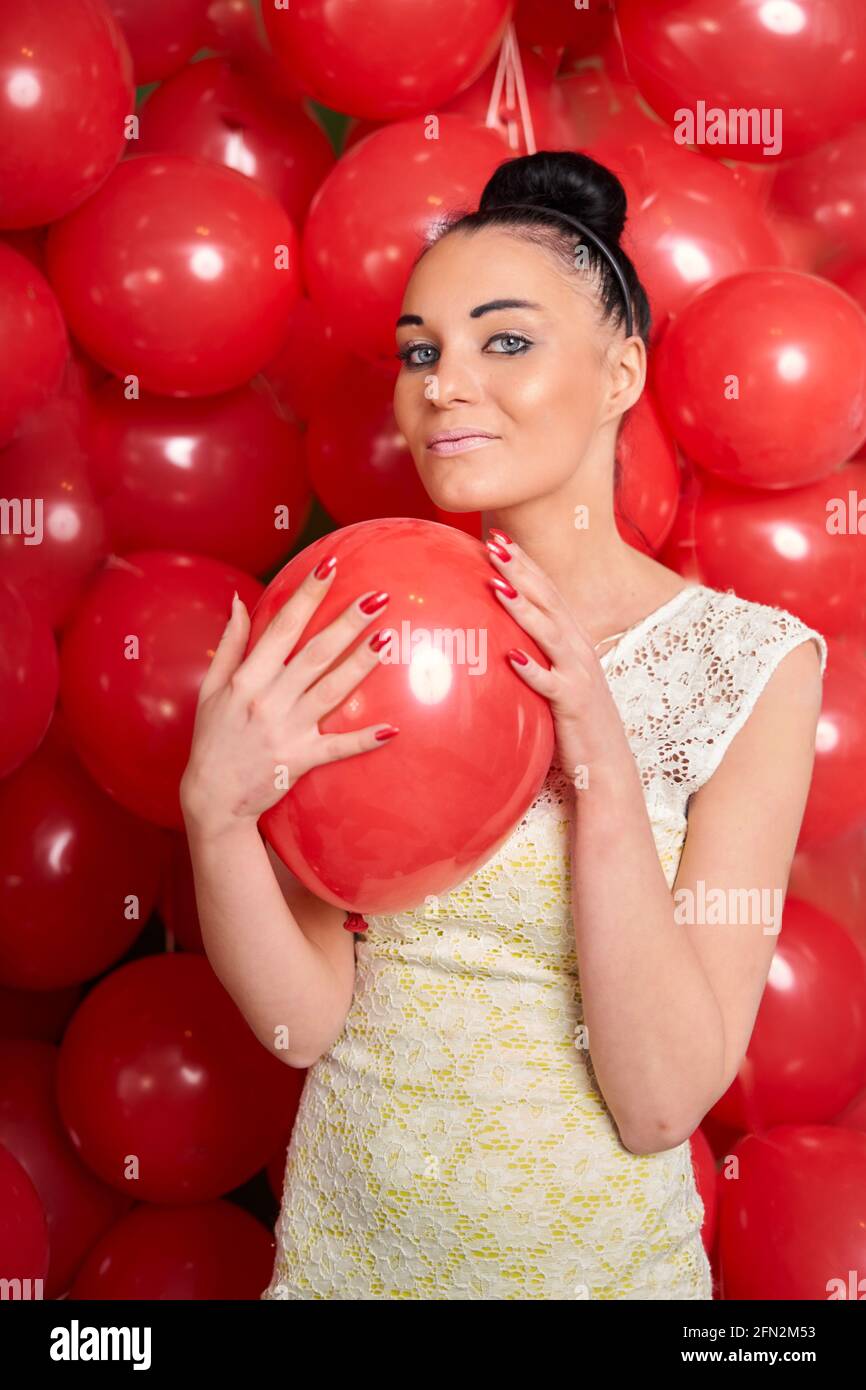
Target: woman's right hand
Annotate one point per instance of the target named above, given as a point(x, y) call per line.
point(256, 725)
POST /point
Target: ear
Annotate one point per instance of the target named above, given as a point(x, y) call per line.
point(627, 366)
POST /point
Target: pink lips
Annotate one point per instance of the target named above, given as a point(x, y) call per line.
point(458, 441)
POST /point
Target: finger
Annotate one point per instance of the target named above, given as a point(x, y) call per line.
point(539, 677)
point(530, 617)
point(523, 574)
point(272, 649)
point(229, 650)
point(332, 688)
point(323, 650)
point(334, 746)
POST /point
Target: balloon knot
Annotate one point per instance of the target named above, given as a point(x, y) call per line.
point(355, 922)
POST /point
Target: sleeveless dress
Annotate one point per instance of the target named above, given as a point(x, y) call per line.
point(453, 1142)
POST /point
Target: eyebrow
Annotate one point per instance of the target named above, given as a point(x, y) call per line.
point(476, 313)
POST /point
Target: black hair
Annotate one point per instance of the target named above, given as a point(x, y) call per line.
point(566, 181)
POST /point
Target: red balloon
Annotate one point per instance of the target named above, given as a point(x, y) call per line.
point(384, 59)
point(792, 1222)
point(475, 751)
point(837, 796)
point(78, 875)
point(763, 378)
point(605, 114)
point(177, 272)
point(213, 110)
point(40, 1015)
point(854, 1115)
point(383, 198)
point(65, 93)
point(796, 548)
point(826, 190)
point(304, 372)
point(833, 877)
point(159, 1064)
point(806, 1058)
point(275, 1170)
point(162, 35)
point(23, 1229)
point(78, 1207)
point(131, 664)
point(689, 223)
point(57, 537)
point(223, 475)
point(33, 342)
point(178, 907)
point(540, 23)
point(705, 1179)
point(28, 679)
point(358, 461)
point(208, 1250)
point(649, 483)
point(712, 56)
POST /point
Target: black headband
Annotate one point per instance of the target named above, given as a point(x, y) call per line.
point(596, 240)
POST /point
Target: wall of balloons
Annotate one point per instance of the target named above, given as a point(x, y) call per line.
point(208, 209)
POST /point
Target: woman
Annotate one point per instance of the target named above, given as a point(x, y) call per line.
point(502, 1082)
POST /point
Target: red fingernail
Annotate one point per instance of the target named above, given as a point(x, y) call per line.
point(503, 586)
point(388, 732)
point(494, 531)
point(517, 655)
point(324, 567)
point(499, 551)
point(382, 636)
point(374, 602)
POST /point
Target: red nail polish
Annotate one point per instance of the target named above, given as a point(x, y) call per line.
point(517, 655)
point(388, 732)
point(324, 567)
point(494, 531)
point(382, 636)
point(503, 586)
point(498, 550)
point(374, 602)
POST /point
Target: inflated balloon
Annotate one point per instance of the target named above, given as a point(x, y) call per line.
point(802, 548)
point(358, 461)
point(718, 62)
point(275, 1169)
point(605, 115)
point(223, 475)
point(826, 190)
point(78, 1207)
point(57, 535)
point(158, 1063)
point(704, 1165)
point(65, 93)
point(177, 272)
point(304, 370)
point(689, 223)
point(383, 59)
point(131, 664)
point(854, 1115)
point(23, 1228)
point(38, 1014)
point(837, 795)
point(383, 198)
point(162, 35)
point(79, 875)
point(28, 679)
point(380, 831)
point(583, 28)
point(33, 342)
point(763, 378)
point(649, 478)
point(791, 1218)
point(833, 877)
point(177, 905)
point(806, 1057)
point(212, 110)
point(208, 1250)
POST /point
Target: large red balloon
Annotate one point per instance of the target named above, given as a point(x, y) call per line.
point(28, 679)
point(131, 664)
point(23, 1229)
point(380, 831)
point(65, 93)
point(712, 55)
point(33, 342)
point(826, 191)
point(178, 272)
point(383, 198)
point(583, 28)
point(79, 875)
point(796, 548)
point(58, 537)
point(304, 372)
point(385, 59)
point(792, 1222)
point(358, 461)
point(223, 475)
point(649, 480)
point(209, 1250)
point(837, 796)
point(214, 110)
point(833, 877)
point(159, 1065)
point(77, 1205)
point(162, 34)
point(606, 115)
point(763, 378)
point(806, 1057)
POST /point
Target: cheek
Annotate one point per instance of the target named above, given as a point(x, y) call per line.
point(556, 407)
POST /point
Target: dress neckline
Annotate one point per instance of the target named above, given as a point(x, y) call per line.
point(650, 620)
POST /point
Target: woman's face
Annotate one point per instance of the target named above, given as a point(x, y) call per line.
point(532, 376)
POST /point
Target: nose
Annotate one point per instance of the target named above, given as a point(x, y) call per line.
point(455, 381)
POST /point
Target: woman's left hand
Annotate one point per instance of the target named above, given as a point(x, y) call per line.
point(586, 719)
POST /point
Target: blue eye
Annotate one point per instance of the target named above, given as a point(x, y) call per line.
point(523, 343)
point(407, 353)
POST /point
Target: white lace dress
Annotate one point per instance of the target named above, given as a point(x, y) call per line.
point(453, 1143)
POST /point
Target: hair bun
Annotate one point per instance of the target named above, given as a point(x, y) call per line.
point(566, 182)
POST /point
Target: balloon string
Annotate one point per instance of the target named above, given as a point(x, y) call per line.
point(509, 73)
